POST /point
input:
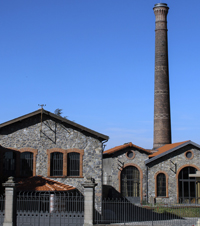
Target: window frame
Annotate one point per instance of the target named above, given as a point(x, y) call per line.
point(65, 153)
point(17, 159)
point(55, 160)
point(166, 184)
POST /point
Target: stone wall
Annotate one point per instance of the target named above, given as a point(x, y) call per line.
point(56, 135)
point(165, 165)
point(112, 167)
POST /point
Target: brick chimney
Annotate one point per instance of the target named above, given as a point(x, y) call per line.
point(162, 121)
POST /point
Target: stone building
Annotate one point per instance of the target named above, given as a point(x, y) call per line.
point(42, 143)
point(143, 175)
point(162, 173)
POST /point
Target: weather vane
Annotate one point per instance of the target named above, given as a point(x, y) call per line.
point(42, 105)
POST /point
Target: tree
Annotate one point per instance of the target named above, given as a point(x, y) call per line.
point(59, 112)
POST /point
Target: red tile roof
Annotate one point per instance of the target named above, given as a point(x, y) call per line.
point(39, 183)
point(121, 147)
point(165, 148)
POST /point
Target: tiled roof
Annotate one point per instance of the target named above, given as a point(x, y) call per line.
point(165, 148)
point(39, 183)
point(121, 147)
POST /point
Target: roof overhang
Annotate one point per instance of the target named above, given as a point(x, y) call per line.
point(99, 136)
point(171, 150)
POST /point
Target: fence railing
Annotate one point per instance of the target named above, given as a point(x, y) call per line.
point(50, 208)
point(2, 208)
point(122, 211)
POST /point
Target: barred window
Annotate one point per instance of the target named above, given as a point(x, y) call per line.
point(73, 164)
point(161, 185)
point(130, 182)
point(9, 163)
point(56, 165)
point(26, 164)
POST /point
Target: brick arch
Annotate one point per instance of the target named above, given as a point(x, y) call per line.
point(65, 152)
point(81, 152)
point(167, 179)
point(52, 150)
point(35, 152)
point(177, 174)
point(141, 178)
point(18, 151)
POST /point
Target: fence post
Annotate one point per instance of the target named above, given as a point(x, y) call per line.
point(89, 185)
point(10, 207)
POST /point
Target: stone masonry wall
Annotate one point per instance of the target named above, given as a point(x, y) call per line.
point(55, 135)
point(111, 168)
point(164, 165)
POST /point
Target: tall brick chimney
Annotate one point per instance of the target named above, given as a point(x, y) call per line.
point(162, 121)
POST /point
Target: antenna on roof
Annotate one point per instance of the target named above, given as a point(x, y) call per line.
point(42, 105)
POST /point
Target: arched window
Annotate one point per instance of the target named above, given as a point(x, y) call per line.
point(26, 164)
point(130, 183)
point(187, 185)
point(73, 164)
point(56, 168)
point(9, 163)
point(161, 185)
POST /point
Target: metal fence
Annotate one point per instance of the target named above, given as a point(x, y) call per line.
point(2, 210)
point(123, 212)
point(50, 208)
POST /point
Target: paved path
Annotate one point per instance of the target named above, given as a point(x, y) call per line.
point(181, 222)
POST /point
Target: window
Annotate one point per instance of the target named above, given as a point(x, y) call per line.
point(130, 183)
point(161, 185)
point(56, 164)
point(189, 155)
point(65, 163)
point(18, 162)
point(130, 154)
point(26, 164)
point(73, 164)
point(187, 186)
point(9, 163)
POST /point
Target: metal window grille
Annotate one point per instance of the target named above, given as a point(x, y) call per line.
point(187, 186)
point(26, 164)
point(9, 163)
point(130, 182)
point(56, 166)
point(161, 185)
point(73, 164)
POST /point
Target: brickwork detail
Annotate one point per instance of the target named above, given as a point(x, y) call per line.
point(162, 121)
point(66, 139)
point(112, 169)
point(164, 165)
point(167, 178)
point(65, 152)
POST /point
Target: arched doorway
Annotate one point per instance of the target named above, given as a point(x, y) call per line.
point(130, 184)
point(187, 185)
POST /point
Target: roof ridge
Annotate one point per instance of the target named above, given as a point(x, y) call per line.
point(125, 145)
point(96, 134)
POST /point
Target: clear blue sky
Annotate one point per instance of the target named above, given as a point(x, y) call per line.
point(95, 60)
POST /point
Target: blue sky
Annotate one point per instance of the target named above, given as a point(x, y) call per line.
point(95, 60)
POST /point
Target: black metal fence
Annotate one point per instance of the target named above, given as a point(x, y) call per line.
point(122, 211)
point(50, 208)
point(2, 208)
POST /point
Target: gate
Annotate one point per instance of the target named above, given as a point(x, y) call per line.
point(2, 211)
point(50, 208)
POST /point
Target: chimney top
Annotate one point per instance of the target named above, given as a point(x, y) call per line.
point(161, 5)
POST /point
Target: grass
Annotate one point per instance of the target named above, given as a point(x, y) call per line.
point(179, 211)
